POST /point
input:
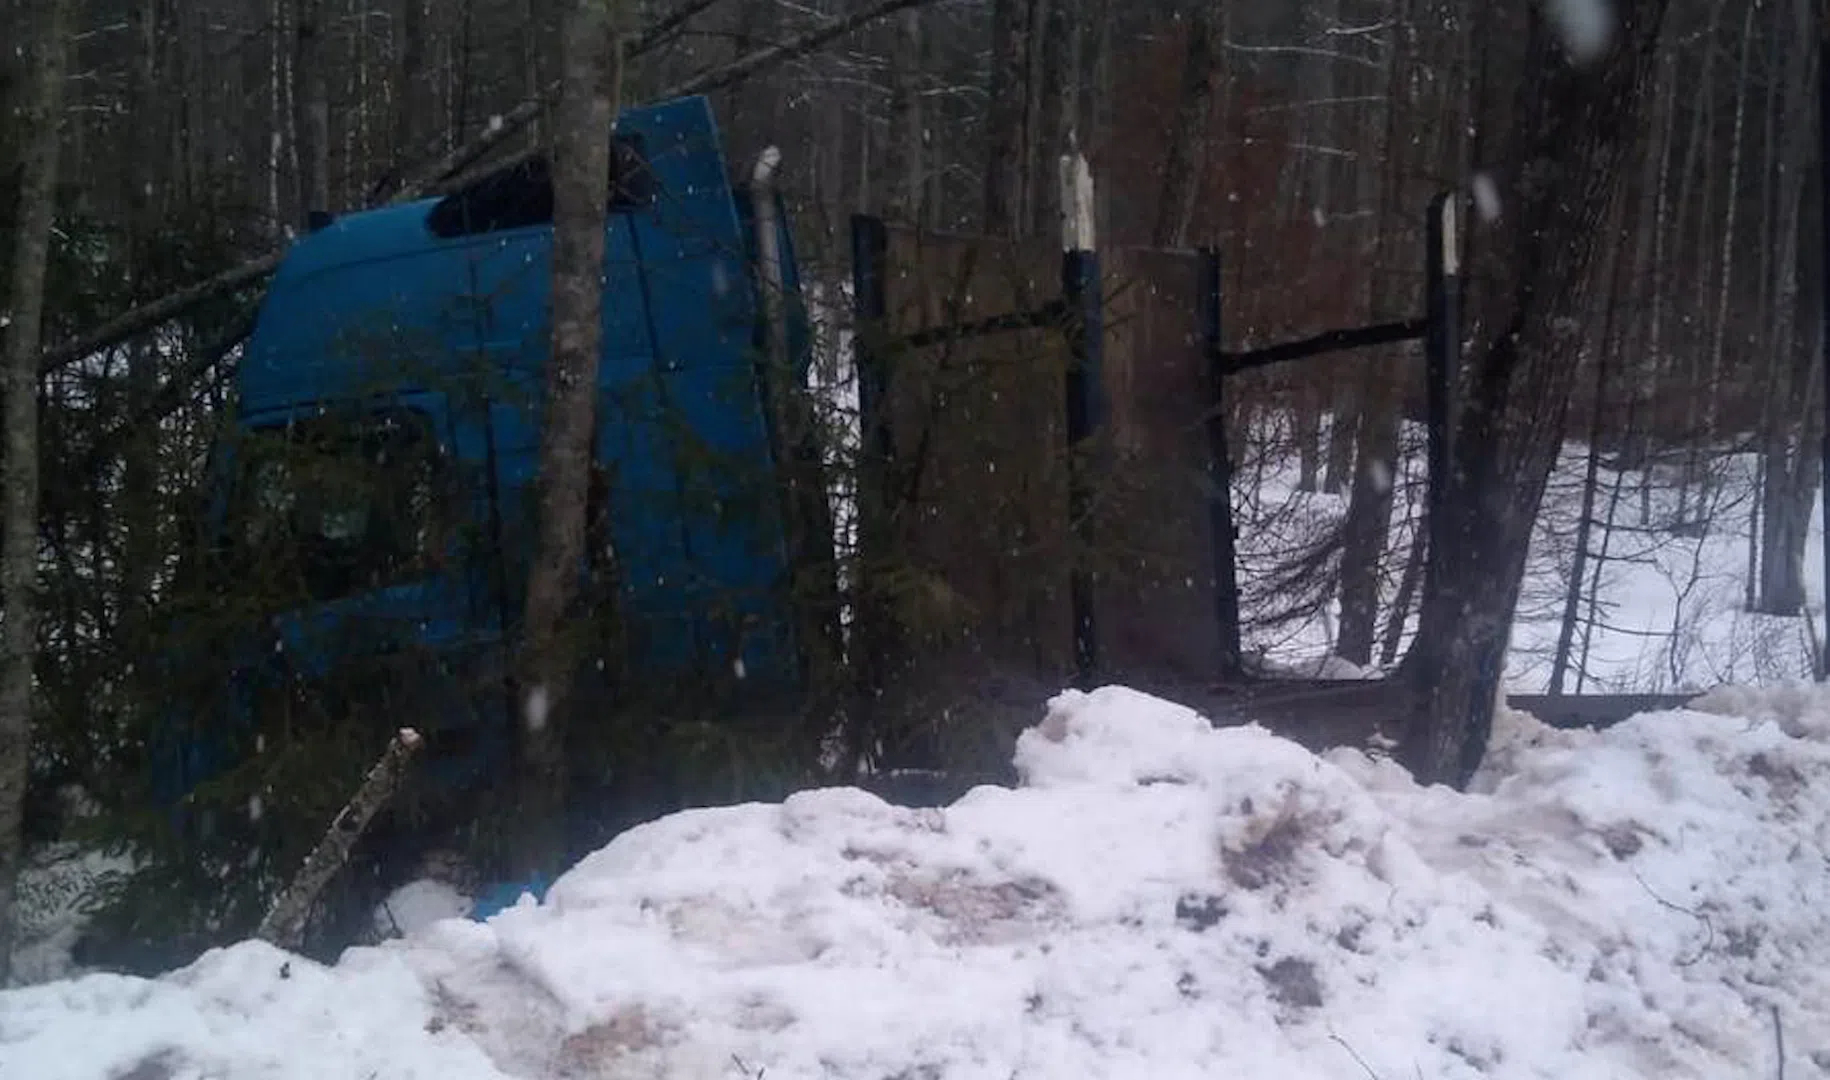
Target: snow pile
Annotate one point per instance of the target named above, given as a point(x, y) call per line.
point(417, 905)
point(1158, 899)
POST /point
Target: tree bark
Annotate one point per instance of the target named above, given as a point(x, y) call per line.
point(411, 101)
point(1558, 137)
point(1004, 142)
point(1194, 105)
point(311, 103)
point(1369, 507)
point(1789, 457)
point(591, 65)
point(906, 176)
point(19, 391)
point(141, 547)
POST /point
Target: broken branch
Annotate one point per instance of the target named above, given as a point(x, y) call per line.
point(284, 925)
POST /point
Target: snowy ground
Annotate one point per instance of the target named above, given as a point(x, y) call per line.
point(1158, 899)
point(1668, 611)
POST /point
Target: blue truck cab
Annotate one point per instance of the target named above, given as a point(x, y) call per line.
point(380, 472)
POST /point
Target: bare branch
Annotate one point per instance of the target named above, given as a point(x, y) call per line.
point(147, 316)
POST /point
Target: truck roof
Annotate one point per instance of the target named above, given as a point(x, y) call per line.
point(439, 276)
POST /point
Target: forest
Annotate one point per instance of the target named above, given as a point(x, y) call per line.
point(1641, 230)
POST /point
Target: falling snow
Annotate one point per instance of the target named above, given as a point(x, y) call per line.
point(1584, 26)
point(1486, 197)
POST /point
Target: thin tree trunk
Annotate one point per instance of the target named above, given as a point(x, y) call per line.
point(140, 473)
point(38, 127)
point(1712, 413)
point(311, 99)
point(1585, 518)
point(1790, 463)
point(1194, 105)
point(1306, 399)
point(1647, 449)
point(1009, 92)
point(1702, 129)
point(592, 71)
point(1058, 75)
point(907, 174)
point(1764, 345)
point(1369, 507)
point(411, 102)
point(1401, 604)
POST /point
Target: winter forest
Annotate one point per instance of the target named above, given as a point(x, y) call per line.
point(1362, 375)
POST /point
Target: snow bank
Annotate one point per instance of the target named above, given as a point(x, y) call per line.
point(1158, 899)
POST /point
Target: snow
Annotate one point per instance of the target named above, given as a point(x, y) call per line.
point(1486, 197)
point(1669, 612)
point(1157, 898)
point(417, 905)
point(535, 716)
point(1584, 26)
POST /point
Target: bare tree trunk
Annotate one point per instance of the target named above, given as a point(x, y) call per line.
point(1559, 137)
point(1585, 518)
point(1096, 97)
point(1056, 96)
point(411, 102)
point(592, 71)
point(1683, 366)
point(1306, 402)
point(1401, 604)
point(1656, 283)
point(1369, 507)
point(1789, 462)
point(38, 127)
point(140, 473)
point(1726, 259)
point(1194, 105)
point(1004, 135)
point(907, 174)
point(311, 101)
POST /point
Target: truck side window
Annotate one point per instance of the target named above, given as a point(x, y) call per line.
point(339, 504)
point(521, 194)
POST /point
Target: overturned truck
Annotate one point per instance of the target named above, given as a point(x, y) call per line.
point(371, 508)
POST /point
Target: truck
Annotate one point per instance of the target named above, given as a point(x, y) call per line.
point(368, 523)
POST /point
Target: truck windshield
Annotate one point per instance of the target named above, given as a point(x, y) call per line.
point(335, 505)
